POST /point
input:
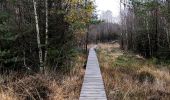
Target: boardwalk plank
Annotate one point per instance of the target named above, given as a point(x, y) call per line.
point(93, 87)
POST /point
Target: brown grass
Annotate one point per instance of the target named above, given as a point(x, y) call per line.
point(49, 86)
point(7, 95)
point(129, 76)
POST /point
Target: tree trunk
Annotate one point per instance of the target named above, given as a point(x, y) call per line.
point(38, 36)
point(46, 32)
point(148, 31)
point(168, 1)
point(156, 28)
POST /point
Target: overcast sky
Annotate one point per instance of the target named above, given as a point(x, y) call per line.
point(112, 5)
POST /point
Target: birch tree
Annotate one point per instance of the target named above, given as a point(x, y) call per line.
point(38, 35)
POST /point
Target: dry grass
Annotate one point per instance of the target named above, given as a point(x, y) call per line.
point(7, 95)
point(131, 77)
point(49, 86)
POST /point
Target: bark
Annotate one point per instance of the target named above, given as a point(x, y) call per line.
point(46, 32)
point(149, 39)
point(87, 34)
point(38, 35)
point(168, 1)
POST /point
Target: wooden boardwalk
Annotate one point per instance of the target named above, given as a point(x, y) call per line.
point(93, 87)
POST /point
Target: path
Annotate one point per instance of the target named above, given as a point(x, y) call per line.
point(93, 87)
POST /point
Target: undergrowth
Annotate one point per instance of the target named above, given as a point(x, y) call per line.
point(129, 76)
point(53, 85)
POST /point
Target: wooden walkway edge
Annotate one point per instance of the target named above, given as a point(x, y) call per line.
point(93, 87)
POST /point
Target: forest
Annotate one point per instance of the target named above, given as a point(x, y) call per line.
point(37, 34)
point(145, 27)
point(44, 47)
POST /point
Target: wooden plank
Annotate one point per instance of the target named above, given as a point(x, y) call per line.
point(93, 87)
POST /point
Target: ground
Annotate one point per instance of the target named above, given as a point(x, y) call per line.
point(126, 75)
point(48, 86)
point(129, 76)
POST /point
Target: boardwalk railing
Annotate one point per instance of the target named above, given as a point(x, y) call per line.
point(93, 87)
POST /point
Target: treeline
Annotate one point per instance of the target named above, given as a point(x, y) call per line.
point(146, 27)
point(38, 34)
point(104, 32)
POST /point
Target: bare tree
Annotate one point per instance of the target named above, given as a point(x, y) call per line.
point(46, 32)
point(38, 35)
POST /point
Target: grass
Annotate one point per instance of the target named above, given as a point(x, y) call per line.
point(48, 86)
point(129, 76)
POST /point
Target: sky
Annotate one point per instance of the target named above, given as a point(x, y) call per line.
point(112, 5)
